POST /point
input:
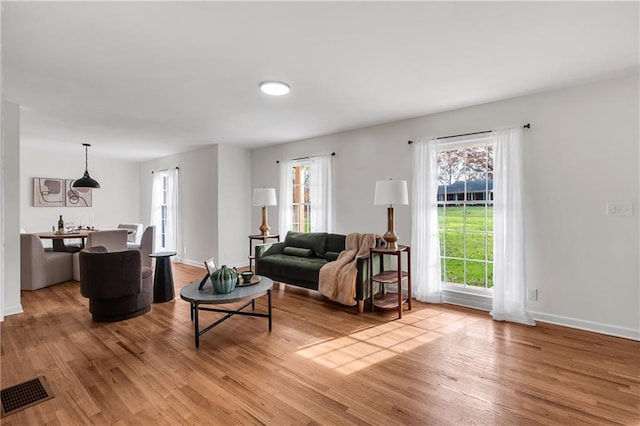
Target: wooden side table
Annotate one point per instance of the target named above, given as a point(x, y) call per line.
point(389, 300)
point(264, 239)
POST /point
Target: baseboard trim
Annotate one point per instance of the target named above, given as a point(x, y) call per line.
point(12, 310)
point(596, 327)
point(192, 263)
point(484, 303)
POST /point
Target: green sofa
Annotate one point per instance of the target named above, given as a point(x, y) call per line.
point(298, 259)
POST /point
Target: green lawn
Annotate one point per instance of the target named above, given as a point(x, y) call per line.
point(475, 245)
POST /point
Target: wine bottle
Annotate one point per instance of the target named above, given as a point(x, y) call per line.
point(60, 225)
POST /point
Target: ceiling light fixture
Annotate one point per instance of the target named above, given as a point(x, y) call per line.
point(275, 88)
point(86, 181)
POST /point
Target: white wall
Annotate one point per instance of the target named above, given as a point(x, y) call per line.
point(215, 208)
point(234, 201)
point(581, 152)
point(198, 200)
point(116, 201)
point(11, 209)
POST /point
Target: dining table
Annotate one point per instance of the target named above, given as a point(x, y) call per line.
point(58, 239)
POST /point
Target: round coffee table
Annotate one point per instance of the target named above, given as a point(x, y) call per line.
point(207, 296)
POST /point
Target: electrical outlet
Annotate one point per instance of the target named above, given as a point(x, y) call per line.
point(185, 250)
point(619, 209)
point(532, 294)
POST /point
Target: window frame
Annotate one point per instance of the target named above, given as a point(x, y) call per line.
point(464, 287)
point(301, 210)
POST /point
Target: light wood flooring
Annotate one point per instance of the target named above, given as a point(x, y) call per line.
point(323, 363)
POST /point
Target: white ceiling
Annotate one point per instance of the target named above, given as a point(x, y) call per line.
point(142, 80)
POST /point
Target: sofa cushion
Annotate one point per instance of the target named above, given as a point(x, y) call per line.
point(316, 241)
point(298, 252)
point(303, 269)
point(336, 242)
point(331, 255)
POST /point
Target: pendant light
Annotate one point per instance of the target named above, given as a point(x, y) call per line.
point(86, 181)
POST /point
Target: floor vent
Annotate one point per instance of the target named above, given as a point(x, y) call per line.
point(23, 395)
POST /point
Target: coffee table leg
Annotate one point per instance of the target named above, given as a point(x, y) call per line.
point(195, 324)
point(269, 302)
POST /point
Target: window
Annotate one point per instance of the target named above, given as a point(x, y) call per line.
point(465, 212)
point(306, 193)
point(164, 210)
point(301, 205)
point(467, 228)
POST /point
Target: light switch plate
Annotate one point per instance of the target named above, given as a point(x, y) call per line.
point(619, 209)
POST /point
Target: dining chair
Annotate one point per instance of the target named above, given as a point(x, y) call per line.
point(133, 239)
point(147, 245)
point(40, 268)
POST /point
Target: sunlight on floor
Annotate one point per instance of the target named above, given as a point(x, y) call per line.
point(367, 347)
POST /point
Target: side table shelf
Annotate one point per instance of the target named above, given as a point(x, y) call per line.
point(264, 239)
point(391, 300)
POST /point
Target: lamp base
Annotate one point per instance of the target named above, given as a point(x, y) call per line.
point(264, 232)
point(390, 237)
point(391, 245)
point(264, 228)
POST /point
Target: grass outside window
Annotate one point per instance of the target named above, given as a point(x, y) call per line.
point(466, 245)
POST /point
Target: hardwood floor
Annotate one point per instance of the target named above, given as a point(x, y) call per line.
point(323, 363)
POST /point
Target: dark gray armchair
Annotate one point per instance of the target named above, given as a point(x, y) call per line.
point(116, 283)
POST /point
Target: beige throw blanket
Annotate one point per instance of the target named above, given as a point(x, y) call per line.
point(338, 278)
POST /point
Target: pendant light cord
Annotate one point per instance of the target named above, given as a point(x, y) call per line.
point(86, 157)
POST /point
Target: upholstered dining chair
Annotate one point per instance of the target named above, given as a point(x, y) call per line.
point(40, 268)
point(117, 285)
point(133, 239)
point(147, 245)
point(112, 240)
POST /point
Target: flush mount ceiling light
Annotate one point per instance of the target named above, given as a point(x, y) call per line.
point(275, 88)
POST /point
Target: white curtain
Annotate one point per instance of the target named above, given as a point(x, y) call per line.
point(172, 238)
point(171, 230)
point(509, 287)
point(285, 202)
point(321, 193)
point(425, 240)
point(157, 194)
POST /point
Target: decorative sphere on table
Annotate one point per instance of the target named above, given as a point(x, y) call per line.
point(224, 280)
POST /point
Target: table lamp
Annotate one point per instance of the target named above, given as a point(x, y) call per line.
point(263, 197)
point(390, 192)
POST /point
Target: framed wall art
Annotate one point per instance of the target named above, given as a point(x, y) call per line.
point(48, 192)
point(76, 197)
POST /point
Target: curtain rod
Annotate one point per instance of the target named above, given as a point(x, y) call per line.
point(164, 170)
point(526, 126)
point(333, 154)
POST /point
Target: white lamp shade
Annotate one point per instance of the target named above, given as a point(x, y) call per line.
point(264, 197)
point(390, 192)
